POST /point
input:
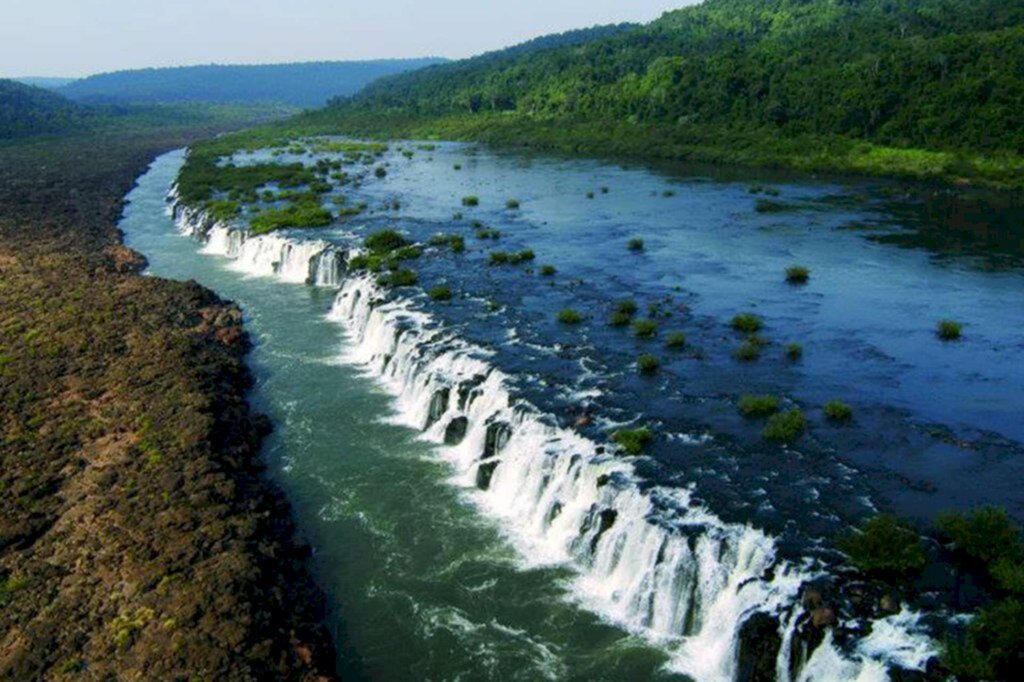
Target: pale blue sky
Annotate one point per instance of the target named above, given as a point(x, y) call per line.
point(80, 37)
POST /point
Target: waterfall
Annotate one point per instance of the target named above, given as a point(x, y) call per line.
point(652, 561)
point(300, 261)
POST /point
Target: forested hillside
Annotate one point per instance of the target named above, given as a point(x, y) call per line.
point(935, 75)
point(301, 85)
point(28, 110)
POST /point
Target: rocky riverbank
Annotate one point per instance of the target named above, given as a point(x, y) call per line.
point(138, 538)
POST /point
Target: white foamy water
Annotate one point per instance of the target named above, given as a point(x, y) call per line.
point(653, 562)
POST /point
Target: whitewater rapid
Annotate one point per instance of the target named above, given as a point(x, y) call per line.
point(653, 561)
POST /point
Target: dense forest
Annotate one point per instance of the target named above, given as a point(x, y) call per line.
point(300, 85)
point(28, 110)
point(936, 75)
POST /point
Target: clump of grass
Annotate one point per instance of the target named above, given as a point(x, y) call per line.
point(380, 172)
point(797, 274)
point(384, 241)
point(676, 340)
point(548, 270)
point(838, 411)
point(949, 330)
point(488, 234)
point(748, 323)
point(512, 204)
point(402, 277)
point(471, 200)
point(636, 244)
point(647, 364)
point(785, 427)
point(457, 166)
point(626, 306)
point(986, 536)
point(620, 319)
point(633, 441)
point(503, 257)
point(457, 244)
point(457, 215)
point(590, 195)
point(441, 292)
point(758, 405)
point(748, 352)
point(885, 546)
point(569, 316)
point(645, 328)
point(605, 190)
point(794, 351)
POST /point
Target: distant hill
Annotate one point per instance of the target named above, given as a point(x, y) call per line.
point(47, 82)
point(911, 87)
point(308, 84)
point(28, 110)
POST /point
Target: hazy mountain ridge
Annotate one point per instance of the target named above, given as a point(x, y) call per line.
point(306, 84)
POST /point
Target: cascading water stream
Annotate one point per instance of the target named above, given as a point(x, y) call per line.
point(652, 561)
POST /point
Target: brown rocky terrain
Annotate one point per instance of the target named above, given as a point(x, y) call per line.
point(138, 539)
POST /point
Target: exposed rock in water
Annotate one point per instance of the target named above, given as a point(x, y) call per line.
point(438, 406)
point(496, 438)
point(456, 431)
point(484, 474)
point(759, 648)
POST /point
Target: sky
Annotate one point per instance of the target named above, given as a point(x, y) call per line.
point(72, 38)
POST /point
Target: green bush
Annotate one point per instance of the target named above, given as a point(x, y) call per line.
point(647, 364)
point(676, 340)
point(512, 204)
point(748, 323)
point(440, 293)
point(402, 277)
point(885, 546)
point(949, 330)
point(986, 535)
point(758, 405)
point(499, 257)
point(620, 319)
point(636, 244)
point(794, 351)
point(457, 166)
point(626, 306)
point(748, 352)
point(299, 215)
point(785, 427)
point(797, 274)
point(471, 200)
point(569, 316)
point(633, 441)
point(590, 195)
point(645, 328)
point(838, 411)
point(384, 241)
point(547, 270)
point(991, 648)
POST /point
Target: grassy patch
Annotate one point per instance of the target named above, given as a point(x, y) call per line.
point(645, 328)
point(748, 323)
point(758, 405)
point(402, 277)
point(785, 427)
point(794, 351)
point(512, 204)
point(569, 316)
point(648, 364)
point(548, 270)
point(949, 330)
point(797, 274)
point(300, 215)
point(885, 546)
point(748, 352)
point(675, 340)
point(471, 201)
point(441, 292)
point(636, 244)
point(633, 441)
point(838, 411)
